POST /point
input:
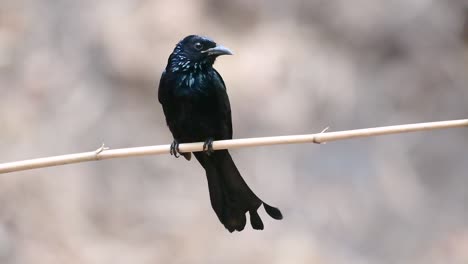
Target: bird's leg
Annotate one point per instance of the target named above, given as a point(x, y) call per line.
point(174, 150)
point(208, 146)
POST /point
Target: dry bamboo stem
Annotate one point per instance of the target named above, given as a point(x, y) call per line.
point(105, 153)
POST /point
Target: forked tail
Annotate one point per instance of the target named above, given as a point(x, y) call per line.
point(230, 195)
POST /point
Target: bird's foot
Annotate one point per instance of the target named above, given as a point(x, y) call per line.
point(174, 150)
point(208, 146)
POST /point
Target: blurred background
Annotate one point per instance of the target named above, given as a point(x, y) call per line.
point(75, 74)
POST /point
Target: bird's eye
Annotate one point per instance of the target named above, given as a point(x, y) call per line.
point(198, 46)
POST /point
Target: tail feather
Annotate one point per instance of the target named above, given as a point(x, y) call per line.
point(231, 197)
point(255, 220)
point(274, 212)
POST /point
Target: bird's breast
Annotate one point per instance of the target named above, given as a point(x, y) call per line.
point(192, 84)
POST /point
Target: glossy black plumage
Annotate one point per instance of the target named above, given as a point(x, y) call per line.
point(197, 108)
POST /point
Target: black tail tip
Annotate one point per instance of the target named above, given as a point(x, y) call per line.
point(235, 222)
point(274, 212)
point(255, 220)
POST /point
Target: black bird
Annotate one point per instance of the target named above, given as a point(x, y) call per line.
point(196, 105)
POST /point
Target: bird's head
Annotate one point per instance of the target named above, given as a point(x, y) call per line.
point(195, 53)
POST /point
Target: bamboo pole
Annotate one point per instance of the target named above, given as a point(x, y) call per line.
point(106, 153)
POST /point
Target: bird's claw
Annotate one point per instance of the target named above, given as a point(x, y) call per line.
point(174, 150)
point(208, 146)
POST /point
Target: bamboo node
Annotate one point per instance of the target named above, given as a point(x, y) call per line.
point(314, 140)
point(100, 149)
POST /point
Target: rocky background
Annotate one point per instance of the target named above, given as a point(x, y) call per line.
point(74, 74)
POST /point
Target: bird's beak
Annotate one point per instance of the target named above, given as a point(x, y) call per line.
point(218, 51)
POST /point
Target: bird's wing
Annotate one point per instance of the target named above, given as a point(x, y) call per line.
point(162, 90)
point(164, 97)
point(225, 106)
